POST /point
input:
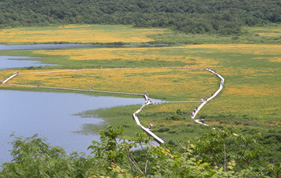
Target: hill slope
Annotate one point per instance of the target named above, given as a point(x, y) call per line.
point(192, 16)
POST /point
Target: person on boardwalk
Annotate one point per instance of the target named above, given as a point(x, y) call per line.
point(150, 126)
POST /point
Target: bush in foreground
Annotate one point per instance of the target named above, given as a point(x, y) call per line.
point(113, 156)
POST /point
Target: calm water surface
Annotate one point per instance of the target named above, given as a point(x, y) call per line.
point(51, 116)
point(7, 62)
point(48, 114)
point(68, 46)
point(47, 46)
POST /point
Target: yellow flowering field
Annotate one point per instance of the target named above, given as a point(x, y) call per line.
point(78, 34)
point(246, 90)
point(276, 34)
point(265, 31)
point(257, 49)
point(275, 59)
point(158, 82)
point(251, 72)
point(4, 74)
point(172, 54)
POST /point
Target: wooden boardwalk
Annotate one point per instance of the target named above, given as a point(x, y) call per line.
point(148, 101)
point(212, 96)
point(147, 130)
point(194, 113)
point(12, 76)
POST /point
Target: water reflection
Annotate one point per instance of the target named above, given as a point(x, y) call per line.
point(51, 116)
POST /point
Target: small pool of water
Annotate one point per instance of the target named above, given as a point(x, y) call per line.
point(7, 62)
point(51, 115)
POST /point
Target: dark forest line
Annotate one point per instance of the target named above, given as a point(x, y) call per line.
point(189, 16)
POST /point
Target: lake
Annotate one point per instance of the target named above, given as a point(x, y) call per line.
point(7, 62)
point(51, 46)
point(51, 116)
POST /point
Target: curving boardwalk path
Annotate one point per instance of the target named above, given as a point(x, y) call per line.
point(147, 130)
point(205, 101)
point(148, 101)
point(194, 113)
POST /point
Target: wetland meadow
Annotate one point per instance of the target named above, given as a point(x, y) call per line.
point(251, 65)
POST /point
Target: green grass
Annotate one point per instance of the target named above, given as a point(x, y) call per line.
point(249, 103)
point(250, 99)
point(123, 116)
point(255, 110)
point(64, 62)
point(249, 36)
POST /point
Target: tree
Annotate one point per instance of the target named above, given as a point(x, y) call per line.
point(114, 156)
